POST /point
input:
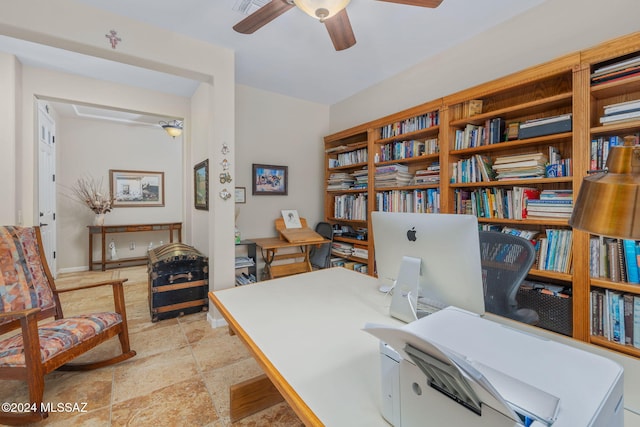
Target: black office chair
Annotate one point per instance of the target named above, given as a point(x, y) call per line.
point(506, 260)
point(320, 255)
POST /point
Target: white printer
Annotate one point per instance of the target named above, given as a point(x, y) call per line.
point(455, 368)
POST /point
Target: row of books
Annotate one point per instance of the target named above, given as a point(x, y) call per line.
point(600, 148)
point(350, 206)
point(351, 265)
point(525, 234)
point(551, 204)
point(245, 279)
point(413, 124)
point(555, 251)
point(616, 316)
point(618, 70)
point(614, 259)
point(418, 201)
point(477, 168)
point(621, 112)
point(349, 158)
point(558, 166)
point(472, 135)
point(407, 149)
point(509, 203)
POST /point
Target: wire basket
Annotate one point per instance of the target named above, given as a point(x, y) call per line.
point(556, 313)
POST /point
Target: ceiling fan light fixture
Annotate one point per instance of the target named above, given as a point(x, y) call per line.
point(173, 127)
point(321, 9)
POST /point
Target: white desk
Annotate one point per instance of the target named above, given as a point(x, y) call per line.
point(306, 332)
point(331, 379)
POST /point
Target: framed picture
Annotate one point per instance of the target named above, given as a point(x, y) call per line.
point(241, 195)
point(136, 188)
point(270, 180)
point(201, 185)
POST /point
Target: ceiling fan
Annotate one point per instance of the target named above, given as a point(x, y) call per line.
point(331, 12)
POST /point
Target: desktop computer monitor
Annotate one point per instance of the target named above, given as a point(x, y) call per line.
point(433, 257)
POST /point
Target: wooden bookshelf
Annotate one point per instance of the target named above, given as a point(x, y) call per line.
point(557, 87)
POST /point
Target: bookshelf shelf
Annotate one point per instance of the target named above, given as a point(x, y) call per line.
point(627, 349)
point(617, 286)
point(515, 112)
point(417, 134)
point(516, 143)
point(555, 88)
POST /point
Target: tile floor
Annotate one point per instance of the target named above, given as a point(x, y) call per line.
point(179, 377)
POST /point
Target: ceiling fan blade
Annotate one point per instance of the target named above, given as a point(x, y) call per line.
point(262, 16)
point(421, 3)
point(340, 31)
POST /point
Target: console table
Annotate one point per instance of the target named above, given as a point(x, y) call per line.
point(103, 230)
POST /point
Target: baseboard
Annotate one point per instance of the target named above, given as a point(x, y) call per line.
point(215, 323)
point(73, 269)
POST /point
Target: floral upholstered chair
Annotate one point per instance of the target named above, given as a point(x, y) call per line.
point(45, 340)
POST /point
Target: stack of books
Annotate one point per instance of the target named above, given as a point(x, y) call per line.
point(244, 261)
point(621, 112)
point(551, 204)
point(520, 166)
point(361, 178)
point(545, 126)
point(393, 175)
point(430, 175)
point(617, 71)
point(340, 181)
point(342, 249)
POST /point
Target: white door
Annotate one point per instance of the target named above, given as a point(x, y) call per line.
point(47, 183)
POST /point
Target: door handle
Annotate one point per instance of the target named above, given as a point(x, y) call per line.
point(42, 224)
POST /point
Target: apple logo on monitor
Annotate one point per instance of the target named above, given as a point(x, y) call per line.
point(411, 234)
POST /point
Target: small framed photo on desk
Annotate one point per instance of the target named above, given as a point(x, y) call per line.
point(291, 218)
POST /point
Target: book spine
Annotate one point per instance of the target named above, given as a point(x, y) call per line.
point(631, 261)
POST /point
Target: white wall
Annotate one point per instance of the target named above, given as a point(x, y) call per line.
point(10, 71)
point(553, 29)
point(89, 148)
point(278, 130)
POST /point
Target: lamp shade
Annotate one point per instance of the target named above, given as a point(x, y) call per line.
point(321, 9)
point(173, 128)
point(607, 203)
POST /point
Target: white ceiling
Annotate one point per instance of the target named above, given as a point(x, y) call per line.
point(293, 54)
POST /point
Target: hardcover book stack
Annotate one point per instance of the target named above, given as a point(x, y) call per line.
point(350, 206)
point(520, 166)
point(621, 112)
point(545, 126)
point(551, 204)
point(340, 181)
point(430, 175)
point(393, 175)
point(477, 135)
point(618, 70)
point(361, 178)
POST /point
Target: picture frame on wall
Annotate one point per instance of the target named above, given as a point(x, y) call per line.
point(201, 185)
point(136, 188)
point(269, 180)
point(241, 195)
